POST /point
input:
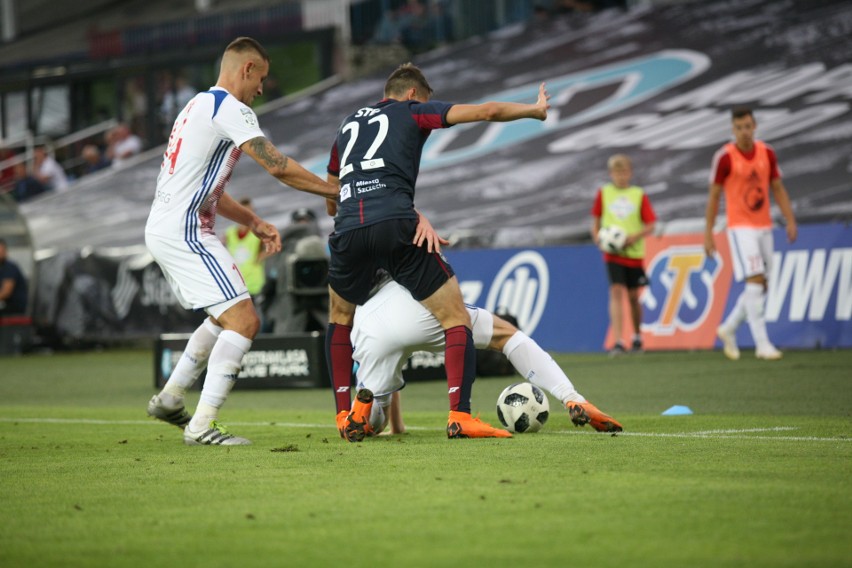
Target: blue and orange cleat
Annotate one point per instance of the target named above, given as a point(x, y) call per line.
point(583, 413)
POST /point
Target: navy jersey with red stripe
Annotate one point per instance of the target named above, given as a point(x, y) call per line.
point(376, 156)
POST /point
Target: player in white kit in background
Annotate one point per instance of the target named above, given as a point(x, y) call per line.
point(392, 325)
point(209, 136)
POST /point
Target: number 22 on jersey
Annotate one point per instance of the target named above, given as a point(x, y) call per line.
point(368, 161)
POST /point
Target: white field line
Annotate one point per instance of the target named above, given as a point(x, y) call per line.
point(738, 434)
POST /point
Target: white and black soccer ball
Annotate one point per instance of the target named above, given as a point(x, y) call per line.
point(523, 407)
point(611, 239)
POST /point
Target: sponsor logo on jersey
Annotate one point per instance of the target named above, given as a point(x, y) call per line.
point(622, 208)
point(249, 117)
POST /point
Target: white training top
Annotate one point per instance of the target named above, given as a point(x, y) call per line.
point(202, 152)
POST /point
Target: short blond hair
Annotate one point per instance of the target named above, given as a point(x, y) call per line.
point(617, 161)
point(246, 44)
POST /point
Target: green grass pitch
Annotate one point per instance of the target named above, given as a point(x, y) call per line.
point(760, 475)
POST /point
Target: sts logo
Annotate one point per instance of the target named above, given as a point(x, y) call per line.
point(680, 292)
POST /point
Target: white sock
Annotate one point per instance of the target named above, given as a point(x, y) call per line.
point(755, 299)
point(191, 363)
point(539, 368)
point(377, 415)
point(222, 370)
point(737, 315)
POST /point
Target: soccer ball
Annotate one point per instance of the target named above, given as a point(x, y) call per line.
point(611, 239)
point(523, 407)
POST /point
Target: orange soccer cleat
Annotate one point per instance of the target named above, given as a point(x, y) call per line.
point(356, 425)
point(463, 425)
point(341, 422)
point(583, 413)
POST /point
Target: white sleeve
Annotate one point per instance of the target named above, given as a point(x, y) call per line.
point(237, 121)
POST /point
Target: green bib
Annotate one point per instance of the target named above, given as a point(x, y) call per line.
point(245, 251)
point(623, 208)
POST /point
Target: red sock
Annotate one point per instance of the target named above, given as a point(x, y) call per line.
point(338, 355)
point(460, 362)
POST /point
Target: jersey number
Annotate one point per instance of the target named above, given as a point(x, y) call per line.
point(369, 162)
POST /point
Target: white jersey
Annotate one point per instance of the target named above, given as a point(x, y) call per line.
point(392, 325)
point(202, 152)
point(203, 149)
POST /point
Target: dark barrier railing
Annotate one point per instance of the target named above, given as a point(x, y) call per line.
point(197, 32)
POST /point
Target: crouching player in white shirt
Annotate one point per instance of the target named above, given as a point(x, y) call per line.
point(392, 325)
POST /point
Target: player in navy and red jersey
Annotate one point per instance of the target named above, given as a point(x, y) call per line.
point(376, 159)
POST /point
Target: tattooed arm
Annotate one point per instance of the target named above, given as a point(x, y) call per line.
point(287, 170)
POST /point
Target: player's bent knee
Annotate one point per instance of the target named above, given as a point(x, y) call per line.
point(241, 318)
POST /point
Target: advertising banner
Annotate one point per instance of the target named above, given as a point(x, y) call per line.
point(275, 361)
point(560, 294)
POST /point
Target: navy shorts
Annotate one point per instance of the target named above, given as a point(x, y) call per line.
point(357, 254)
point(629, 276)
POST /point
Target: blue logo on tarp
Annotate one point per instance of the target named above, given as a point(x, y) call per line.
point(520, 289)
point(630, 82)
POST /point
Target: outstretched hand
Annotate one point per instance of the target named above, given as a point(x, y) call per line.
point(268, 235)
point(543, 97)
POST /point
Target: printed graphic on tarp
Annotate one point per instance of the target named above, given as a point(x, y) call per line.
point(91, 297)
point(656, 83)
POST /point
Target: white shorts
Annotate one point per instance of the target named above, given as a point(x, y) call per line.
point(203, 276)
point(391, 326)
point(751, 251)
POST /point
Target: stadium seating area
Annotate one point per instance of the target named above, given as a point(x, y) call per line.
point(656, 83)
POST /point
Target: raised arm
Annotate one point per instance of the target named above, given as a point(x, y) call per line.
point(500, 112)
point(286, 169)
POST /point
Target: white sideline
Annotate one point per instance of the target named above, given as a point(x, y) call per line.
point(738, 434)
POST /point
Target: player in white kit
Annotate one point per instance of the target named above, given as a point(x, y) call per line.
point(209, 136)
point(392, 325)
